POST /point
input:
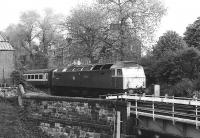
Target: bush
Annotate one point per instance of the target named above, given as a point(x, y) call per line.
point(184, 88)
point(17, 77)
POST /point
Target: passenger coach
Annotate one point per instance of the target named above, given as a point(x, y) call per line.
point(40, 78)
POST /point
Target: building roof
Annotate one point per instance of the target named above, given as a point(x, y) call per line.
point(4, 44)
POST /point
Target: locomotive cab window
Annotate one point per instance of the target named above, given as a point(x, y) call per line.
point(119, 72)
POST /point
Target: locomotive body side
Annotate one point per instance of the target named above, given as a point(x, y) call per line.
point(94, 82)
point(87, 83)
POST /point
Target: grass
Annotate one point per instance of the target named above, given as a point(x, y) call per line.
point(11, 126)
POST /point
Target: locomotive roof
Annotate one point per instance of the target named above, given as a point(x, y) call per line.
point(109, 66)
point(85, 67)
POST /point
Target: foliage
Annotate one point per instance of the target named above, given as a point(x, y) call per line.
point(86, 26)
point(177, 72)
point(40, 61)
point(112, 28)
point(192, 34)
point(48, 29)
point(28, 26)
point(184, 88)
point(133, 19)
point(170, 41)
point(34, 28)
point(17, 77)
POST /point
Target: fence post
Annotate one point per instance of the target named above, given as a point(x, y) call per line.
point(21, 92)
point(118, 118)
point(125, 117)
point(196, 114)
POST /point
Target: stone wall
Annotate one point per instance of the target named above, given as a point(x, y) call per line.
point(74, 117)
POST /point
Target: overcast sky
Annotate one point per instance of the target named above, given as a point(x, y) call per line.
point(180, 12)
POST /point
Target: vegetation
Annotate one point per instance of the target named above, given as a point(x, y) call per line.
point(173, 65)
point(192, 34)
point(32, 37)
point(12, 125)
point(107, 31)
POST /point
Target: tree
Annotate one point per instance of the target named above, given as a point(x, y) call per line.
point(192, 34)
point(48, 27)
point(29, 26)
point(170, 41)
point(32, 29)
point(87, 27)
point(134, 19)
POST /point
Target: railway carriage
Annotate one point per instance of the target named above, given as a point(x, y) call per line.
point(40, 78)
point(91, 80)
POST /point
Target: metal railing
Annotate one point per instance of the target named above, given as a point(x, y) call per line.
point(176, 109)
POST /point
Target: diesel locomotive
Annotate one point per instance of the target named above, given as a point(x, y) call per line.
point(90, 80)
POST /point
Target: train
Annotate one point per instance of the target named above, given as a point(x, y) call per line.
point(90, 80)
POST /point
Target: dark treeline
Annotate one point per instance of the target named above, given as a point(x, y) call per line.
point(174, 62)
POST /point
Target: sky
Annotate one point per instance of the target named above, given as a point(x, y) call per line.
point(180, 13)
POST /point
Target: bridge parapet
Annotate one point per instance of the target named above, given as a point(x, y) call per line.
point(177, 110)
point(67, 114)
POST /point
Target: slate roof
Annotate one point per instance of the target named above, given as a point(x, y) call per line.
point(4, 44)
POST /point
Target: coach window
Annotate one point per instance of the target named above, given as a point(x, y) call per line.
point(40, 76)
point(119, 72)
point(36, 77)
point(32, 77)
point(29, 76)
